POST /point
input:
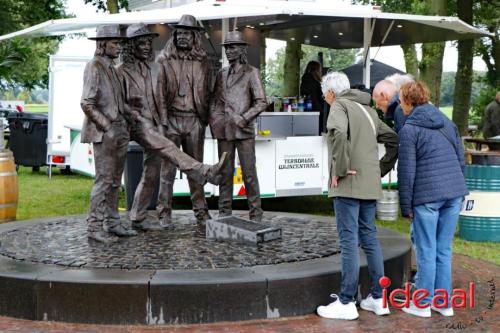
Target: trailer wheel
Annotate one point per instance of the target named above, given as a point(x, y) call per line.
point(66, 171)
point(35, 169)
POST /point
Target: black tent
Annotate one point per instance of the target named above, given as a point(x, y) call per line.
point(378, 72)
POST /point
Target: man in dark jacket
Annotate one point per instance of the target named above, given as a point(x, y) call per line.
point(106, 128)
point(238, 99)
point(386, 98)
point(492, 118)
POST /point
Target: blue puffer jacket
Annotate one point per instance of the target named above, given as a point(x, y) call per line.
point(430, 168)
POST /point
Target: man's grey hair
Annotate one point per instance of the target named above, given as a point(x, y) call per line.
point(336, 82)
point(400, 79)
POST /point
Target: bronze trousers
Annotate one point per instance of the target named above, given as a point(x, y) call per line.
point(109, 158)
point(158, 148)
point(246, 154)
point(189, 133)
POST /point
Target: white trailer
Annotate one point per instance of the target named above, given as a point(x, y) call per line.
point(65, 90)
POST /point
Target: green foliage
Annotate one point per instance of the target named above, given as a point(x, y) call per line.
point(485, 97)
point(334, 59)
point(448, 87)
point(21, 14)
point(113, 6)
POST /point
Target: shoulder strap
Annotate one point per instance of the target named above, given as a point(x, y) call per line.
point(369, 118)
point(348, 121)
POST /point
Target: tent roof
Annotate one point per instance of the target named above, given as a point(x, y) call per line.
point(321, 23)
point(378, 72)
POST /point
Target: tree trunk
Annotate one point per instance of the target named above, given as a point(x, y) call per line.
point(291, 76)
point(411, 60)
point(431, 65)
point(463, 78)
point(112, 6)
point(262, 53)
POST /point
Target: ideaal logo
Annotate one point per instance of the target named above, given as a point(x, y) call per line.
point(439, 300)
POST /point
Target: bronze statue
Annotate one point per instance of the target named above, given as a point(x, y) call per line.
point(106, 128)
point(186, 100)
point(142, 81)
point(239, 98)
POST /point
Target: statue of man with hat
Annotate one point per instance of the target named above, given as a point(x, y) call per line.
point(238, 99)
point(106, 128)
point(186, 92)
point(142, 82)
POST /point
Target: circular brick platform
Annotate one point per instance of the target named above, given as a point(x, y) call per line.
point(50, 271)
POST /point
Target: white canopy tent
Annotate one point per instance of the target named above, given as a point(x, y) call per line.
point(321, 23)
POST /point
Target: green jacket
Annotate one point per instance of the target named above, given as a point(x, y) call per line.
point(353, 145)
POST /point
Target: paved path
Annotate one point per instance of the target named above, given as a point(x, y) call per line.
point(485, 317)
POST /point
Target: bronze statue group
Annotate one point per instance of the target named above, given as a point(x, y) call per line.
point(166, 105)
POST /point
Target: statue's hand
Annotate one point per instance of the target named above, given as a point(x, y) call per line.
point(240, 121)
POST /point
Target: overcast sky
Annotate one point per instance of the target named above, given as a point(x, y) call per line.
point(391, 55)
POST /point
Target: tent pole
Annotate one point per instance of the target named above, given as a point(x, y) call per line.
point(367, 37)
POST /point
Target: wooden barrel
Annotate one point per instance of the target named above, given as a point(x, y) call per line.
point(8, 186)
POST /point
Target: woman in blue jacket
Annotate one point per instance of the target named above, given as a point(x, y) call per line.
point(431, 188)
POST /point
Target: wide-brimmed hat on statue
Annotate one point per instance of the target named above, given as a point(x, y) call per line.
point(187, 22)
point(234, 37)
point(139, 30)
point(107, 32)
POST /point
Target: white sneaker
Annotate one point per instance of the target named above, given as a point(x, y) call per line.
point(337, 310)
point(447, 312)
point(374, 305)
point(413, 310)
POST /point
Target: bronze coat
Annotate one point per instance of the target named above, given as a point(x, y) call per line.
point(134, 85)
point(201, 78)
point(101, 99)
point(243, 96)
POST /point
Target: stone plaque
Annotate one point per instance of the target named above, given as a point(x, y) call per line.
point(237, 229)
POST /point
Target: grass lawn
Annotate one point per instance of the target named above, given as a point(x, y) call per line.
point(69, 194)
point(37, 108)
point(447, 110)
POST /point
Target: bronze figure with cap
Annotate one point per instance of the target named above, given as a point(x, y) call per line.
point(238, 99)
point(106, 128)
point(142, 81)
point(186, 93)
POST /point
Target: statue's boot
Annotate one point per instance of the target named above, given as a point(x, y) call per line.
point(149, 226)
point(120, 230)
point(212, 173)
point(102, 237)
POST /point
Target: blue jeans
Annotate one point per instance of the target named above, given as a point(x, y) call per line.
point(433, 228)
point(356, 224)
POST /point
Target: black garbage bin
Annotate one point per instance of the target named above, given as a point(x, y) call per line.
point(28, 138)
point(133, 173)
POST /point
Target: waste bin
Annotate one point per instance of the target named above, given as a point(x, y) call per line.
point(133, 173)
point(28, 138)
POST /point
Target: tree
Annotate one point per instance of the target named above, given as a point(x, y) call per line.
point(273, 78)
point(112, 6)
point(463, 79)
point(486, 16)
point(431, 65)
point(20, 14)
point(291, 67)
